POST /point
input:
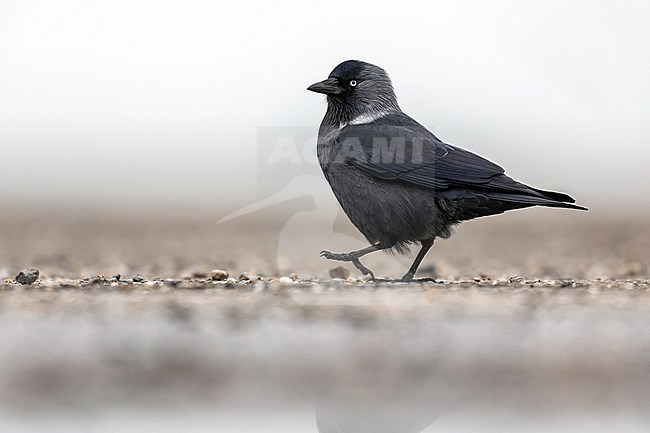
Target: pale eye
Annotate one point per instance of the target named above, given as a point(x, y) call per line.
point(353, 83)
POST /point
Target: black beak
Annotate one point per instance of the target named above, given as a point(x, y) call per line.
point(328, 87)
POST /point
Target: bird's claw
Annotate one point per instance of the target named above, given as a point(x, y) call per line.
point(348, 257)
point(363, 269)
point(341, 257)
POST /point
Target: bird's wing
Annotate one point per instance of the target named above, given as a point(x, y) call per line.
point(396, 147)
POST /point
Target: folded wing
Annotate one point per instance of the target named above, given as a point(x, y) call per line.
point(398, 148)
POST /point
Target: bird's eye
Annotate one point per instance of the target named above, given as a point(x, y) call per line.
point(353, 83)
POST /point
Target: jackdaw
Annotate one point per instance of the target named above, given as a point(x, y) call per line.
point(398, 183)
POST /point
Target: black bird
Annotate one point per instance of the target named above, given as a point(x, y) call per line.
point(398, 183)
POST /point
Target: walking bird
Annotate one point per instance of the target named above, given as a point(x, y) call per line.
point(398, 183)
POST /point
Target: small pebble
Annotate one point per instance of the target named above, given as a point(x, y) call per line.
point(339, 272)
point(286, 280)
point(249, 277)
point(138, 279)
point(27, 276)
point(96, 280)
point(219, 274)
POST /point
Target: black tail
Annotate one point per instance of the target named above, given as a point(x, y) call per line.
point(509, 190)
point(545, 198)
point(502, 194)
point(557, 196)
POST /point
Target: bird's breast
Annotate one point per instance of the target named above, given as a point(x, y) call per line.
point(326, 146)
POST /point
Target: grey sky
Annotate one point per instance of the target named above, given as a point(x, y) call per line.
point(161, 101)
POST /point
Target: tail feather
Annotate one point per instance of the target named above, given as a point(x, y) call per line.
point(509, 190)
point(556, 196)
point(548, 199)
point(505, 186)
point(466, 204)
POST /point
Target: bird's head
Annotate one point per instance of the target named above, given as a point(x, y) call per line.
point(356, 88)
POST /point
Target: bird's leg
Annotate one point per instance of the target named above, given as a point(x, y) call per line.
point(353, 256)
point(426, 246)
point(363, 269)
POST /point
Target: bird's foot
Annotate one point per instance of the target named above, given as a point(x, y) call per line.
point(410, 278)
point(348, 257)
point(363, 269)
point(341, 257)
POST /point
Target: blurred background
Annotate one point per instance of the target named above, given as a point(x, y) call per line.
point(158, 105)
point(123, 120)
point(129, 128)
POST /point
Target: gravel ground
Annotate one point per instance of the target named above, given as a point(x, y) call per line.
point(530, 325)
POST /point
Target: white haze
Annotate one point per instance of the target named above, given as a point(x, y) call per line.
point(158, 102)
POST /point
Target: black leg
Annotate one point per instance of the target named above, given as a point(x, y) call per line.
point(365, 271)
point(426, 246)
point(353, 256)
